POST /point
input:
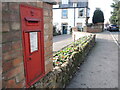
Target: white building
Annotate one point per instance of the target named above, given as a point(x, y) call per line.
point(66, 16)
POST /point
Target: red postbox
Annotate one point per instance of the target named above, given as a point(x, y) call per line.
point(33, 42)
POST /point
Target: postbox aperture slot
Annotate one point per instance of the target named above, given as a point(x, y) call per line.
point(32, 21)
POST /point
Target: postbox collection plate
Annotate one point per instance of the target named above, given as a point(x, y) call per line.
point(33, 43)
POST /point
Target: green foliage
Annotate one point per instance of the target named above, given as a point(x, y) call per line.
point(98, 16)
point(63, 55)
point(115, 13)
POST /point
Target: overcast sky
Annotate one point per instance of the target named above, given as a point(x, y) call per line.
point(104, 5)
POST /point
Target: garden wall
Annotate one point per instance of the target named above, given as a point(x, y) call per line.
point(95, 28)
point(62, 73)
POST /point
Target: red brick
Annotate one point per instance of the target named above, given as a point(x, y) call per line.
point(17, 61)
point(15, 25)
point(16, 44)
point(48, 67)
point(20, 85)
point(47, 6)
point(6, 47)
point(6, 37)
point(12, 54)
point(40, 4)
point(16, 35)
point(11, 36)
point(0, 84)
point(14, 16)
point(7, 66)
point(47, 54)
point(14, 6)
point(6, 56)
point(12, 63)
point(5, 26)
point(10, 83)
point(48, 38)
point(48, 49)
point(48, 43)
point(17, 53)
point(51, 13)
point(20, 77)
point(4, 6)
point(12, 73)
point(5, 16)
point(47, 19)
point(3, 83)
point(29, 3)
point(46, 12)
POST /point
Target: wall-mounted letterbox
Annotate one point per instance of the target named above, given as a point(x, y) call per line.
point(33, 42)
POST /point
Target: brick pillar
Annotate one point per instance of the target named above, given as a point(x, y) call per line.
point(13, 75)
point(48, 36)
point(12, 56)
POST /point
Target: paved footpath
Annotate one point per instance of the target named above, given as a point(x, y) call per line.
point(62, 41)
point(100, 69)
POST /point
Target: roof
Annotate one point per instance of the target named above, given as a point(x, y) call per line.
point(70, 5)
point(53, 2)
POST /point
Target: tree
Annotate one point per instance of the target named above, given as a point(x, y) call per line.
point(98, 16)
point(115, 13)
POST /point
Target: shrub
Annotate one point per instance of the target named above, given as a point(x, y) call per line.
point(98, 16)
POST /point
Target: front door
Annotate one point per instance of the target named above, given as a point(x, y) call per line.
point(64, 28)
point(33, 42)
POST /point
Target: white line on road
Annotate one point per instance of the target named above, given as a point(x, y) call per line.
point(115, 40)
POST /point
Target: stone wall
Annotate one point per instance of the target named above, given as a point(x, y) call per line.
point(61, 75)
point(95, 28)
point(13, 75)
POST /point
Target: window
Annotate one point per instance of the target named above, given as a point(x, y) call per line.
point(81, 12)
point(64, 13)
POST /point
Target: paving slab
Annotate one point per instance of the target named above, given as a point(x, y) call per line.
point(100, 69)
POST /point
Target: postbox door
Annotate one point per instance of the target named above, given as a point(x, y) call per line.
point(33, 55)
point(33, 43)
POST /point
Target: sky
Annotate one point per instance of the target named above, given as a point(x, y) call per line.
point(104, 5)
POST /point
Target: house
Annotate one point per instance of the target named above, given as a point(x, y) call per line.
point(66, 16)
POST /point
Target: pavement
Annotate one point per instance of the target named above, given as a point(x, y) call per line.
point(61, 41)
point(100, 69)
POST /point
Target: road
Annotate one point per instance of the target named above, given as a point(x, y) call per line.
point(100, 69)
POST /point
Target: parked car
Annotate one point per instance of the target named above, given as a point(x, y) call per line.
point(113, 28)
